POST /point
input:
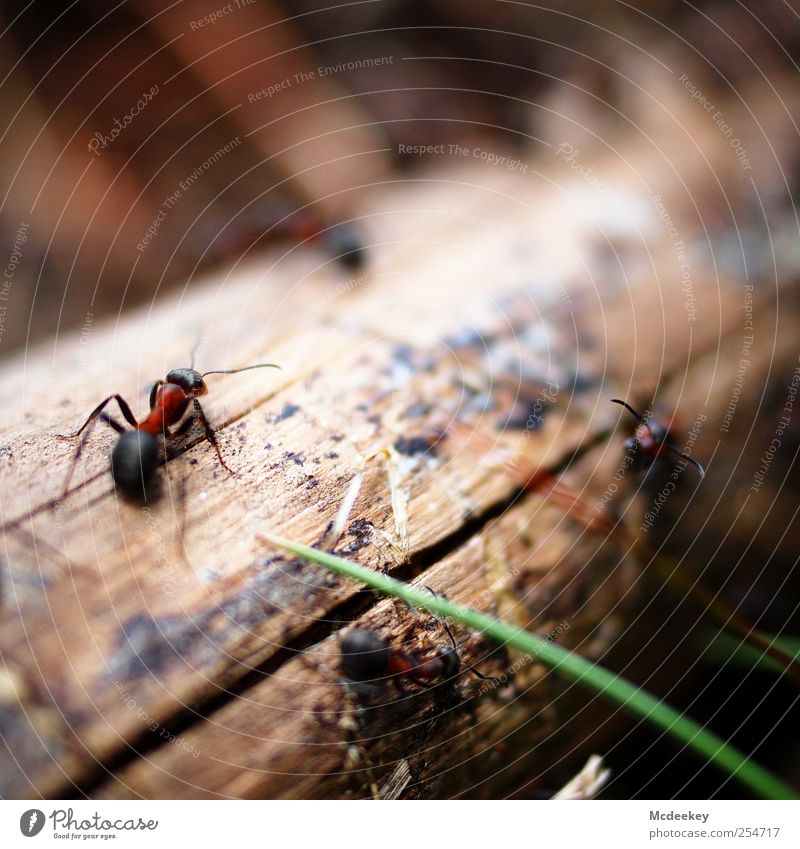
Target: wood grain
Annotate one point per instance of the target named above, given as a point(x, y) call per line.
point(229, 653)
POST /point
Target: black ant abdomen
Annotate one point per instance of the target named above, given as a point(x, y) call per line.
point(133, 464)
point(365, 655)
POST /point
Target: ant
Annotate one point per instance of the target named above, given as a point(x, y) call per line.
point(366, 656)
point(278, 220)
point(653, 439)
point(135, 456)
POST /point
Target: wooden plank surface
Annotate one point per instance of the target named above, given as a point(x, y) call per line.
point(229, 654)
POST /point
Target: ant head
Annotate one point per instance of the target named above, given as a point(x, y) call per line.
point(658, 431)
point(365, 655)
point(650, 434)
point(189, 380)
point(451, 662)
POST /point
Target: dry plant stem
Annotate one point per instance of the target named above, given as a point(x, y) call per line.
point(588, 782)
point(399, 499)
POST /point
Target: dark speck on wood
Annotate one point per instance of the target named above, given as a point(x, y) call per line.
point(413, 445)
point(582, 382)
point(286, 413)
point(361, 529)
point(526, 415)
point(148, 645)
point(296, 457)
point(469, 337)
point(417, 411)
point(413, 360)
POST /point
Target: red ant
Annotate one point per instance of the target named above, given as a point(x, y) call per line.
point(653, 439)
point(366, 657)
point(135, 456)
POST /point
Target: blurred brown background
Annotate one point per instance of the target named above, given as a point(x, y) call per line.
point(110, 110)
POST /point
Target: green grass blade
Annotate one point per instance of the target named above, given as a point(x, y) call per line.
point(721, 648)
point(567, 664)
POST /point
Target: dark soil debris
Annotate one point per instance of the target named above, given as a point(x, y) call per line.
point(361, 530)
point(411, 446)
point(286, 413)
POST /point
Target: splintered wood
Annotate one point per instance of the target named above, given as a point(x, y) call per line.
point(469, 360)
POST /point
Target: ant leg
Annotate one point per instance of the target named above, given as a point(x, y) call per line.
point(211, 435)
point(443, 622)
point(112, 423)
point(153, 391)
point(104, 417)
point(471, 669)
point(123, 405)
point(688, 459)
point(496, 681)
point(182, 428)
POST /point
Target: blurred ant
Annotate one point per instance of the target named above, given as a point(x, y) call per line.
point(653, 439)
point(277, 220)
point(135, 456)
point(344, 243)
point(367, 657)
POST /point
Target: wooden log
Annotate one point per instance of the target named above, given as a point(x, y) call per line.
point(134, 665)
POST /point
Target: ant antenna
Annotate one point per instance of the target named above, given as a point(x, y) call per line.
point(688, 459)
point(630, 409)
point(672, 448)
point(237, 370)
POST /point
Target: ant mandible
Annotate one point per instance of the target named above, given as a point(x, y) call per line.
point(653, 438)
point(367, 657)
point(135, 456)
